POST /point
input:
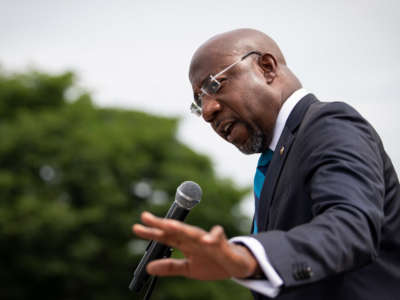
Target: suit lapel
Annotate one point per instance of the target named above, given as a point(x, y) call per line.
point(278, 160)
point(272, 176)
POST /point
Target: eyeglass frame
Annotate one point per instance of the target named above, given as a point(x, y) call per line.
point(196, 106)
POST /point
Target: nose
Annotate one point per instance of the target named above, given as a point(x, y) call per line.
point(210, 108)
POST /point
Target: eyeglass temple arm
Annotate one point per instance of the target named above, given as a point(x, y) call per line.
point(213, 77)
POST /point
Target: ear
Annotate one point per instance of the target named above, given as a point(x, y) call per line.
point(269, 65)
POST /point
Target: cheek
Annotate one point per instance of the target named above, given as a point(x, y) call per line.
point(261, 109)
point(253, 93)
point(255, 107)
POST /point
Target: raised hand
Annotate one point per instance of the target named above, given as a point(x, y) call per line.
point(208, 255)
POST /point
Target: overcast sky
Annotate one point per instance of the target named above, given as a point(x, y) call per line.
point(135, 54)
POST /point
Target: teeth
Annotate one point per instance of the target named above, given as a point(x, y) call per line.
point(227, 126)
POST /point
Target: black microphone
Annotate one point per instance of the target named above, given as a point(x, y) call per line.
point(188, 194)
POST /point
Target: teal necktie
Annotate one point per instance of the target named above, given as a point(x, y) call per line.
point(259, 178)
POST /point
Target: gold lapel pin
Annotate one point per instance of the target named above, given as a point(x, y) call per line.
point(282, 150)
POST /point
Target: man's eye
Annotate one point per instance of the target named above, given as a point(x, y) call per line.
point(215, 85)
point(221, 81)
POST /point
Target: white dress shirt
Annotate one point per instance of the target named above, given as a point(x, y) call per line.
point(273, 282)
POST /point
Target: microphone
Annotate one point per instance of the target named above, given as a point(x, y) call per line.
point(188, 194)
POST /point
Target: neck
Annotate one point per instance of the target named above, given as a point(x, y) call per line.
point(291, 84)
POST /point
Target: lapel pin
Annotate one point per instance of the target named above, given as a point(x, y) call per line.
point(282, 150)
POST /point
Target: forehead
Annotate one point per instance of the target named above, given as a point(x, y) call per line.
point(204, 65)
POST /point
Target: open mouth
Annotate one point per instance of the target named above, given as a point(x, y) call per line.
point(227, 129)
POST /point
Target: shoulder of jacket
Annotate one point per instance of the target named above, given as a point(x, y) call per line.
point(333, 109)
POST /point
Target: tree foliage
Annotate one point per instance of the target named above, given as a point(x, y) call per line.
point(74, 178)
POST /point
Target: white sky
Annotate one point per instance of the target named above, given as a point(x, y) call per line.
point(135, 54)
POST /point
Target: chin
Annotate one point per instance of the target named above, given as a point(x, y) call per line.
point(254, 144)
point(245, 150)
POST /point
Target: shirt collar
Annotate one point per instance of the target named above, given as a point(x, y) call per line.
point(284, 113)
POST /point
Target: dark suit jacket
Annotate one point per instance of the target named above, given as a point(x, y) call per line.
point(330, 207)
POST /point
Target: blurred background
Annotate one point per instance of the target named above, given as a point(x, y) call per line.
point(95, 127)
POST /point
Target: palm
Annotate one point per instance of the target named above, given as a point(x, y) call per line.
point(200, 267)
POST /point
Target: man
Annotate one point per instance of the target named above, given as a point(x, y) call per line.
point(327, 220)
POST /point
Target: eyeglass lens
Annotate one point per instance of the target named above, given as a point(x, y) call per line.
point(209, 87)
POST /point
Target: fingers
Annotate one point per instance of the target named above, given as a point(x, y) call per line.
point(171, 226)
point(215, 236)
point(169, 267)
point(169, 232)
point(147, 232)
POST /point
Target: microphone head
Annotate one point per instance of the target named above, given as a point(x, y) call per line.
point(188, 194)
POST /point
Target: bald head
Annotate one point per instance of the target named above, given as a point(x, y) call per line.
point(235, 43)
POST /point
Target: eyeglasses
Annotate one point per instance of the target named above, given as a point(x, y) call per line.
point(211, 86)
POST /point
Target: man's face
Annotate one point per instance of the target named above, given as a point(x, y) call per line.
point(244, 110)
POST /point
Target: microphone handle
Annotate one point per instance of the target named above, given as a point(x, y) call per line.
point(155, 250)
point(177, 212)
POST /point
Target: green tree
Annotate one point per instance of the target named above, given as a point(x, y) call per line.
point(74, 178)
